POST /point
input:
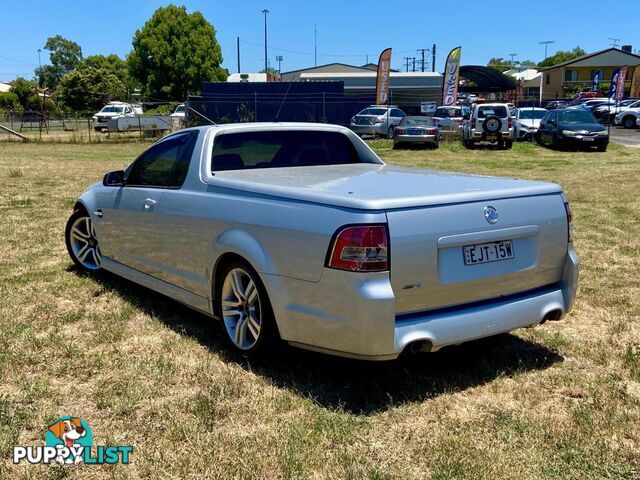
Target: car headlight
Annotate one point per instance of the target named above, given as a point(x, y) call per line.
point(602, 133)
point(569, 133)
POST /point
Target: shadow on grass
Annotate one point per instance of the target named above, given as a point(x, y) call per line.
point(352, 386)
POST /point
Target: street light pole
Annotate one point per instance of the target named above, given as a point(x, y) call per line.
point(279, 60)
point(315, 44)
point(265, 11)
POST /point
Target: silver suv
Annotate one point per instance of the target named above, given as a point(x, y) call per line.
point(377, 120)
point(488, 122)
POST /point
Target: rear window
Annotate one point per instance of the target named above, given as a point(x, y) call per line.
point(425, 121)
point(373, 111)
point(292, 148)
point(492, 110)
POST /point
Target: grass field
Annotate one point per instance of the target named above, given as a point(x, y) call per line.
point(559, 401)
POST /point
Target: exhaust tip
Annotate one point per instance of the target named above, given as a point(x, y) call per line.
point(553, 315)
point(419, 346)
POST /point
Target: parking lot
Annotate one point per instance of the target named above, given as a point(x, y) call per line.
point(629, 137)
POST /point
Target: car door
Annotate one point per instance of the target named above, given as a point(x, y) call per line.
point(396, 116)
point(129, 221)
point(545, 128)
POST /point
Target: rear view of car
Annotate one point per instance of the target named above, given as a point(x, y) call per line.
point(377, 120)
point(416, 131)
point(449, 117)
point(489, 122)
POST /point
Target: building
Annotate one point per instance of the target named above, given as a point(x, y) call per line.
point(574, 75)
point(4, 87)
point(528, 82)
point(294, 75)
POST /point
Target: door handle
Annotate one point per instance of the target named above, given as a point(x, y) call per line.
point(98, 213)
point(149, 203)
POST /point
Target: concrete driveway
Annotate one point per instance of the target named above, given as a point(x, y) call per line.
point(629, 137)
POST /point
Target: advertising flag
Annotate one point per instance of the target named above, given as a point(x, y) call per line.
point(596, 82)
point(614, 82)
point(382, 82)
point(451, 74)
point(622, 77)
point(635, 83)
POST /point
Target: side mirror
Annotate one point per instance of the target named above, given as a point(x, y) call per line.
point(114, 179)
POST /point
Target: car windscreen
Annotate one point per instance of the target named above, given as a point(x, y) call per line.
point(421, 121)
point(492, 110)
point(112, 109)
point(373, 111)
point(576, 116)
point(180, 109)
point(448, 113)
point(532, 114)
point(287, 148)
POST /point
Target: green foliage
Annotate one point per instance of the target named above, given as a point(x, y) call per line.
point(9, 101)
point(65, 56)
point(35, 103)
point(23, 88)
point(166, 109)
point(174, 53)
point(111, 63)
point(500, 64)
point(562, 56)
point(88, 89)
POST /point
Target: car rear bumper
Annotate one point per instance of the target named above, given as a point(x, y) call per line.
point(377, 129)
point(353, 314)
point(416, 139)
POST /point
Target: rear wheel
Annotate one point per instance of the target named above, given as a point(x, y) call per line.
point(390, 133)
point(244, 309)
point(82, 243)
point(508, 144)
point(628, 122)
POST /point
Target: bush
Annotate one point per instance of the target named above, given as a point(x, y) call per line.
point(9, 101)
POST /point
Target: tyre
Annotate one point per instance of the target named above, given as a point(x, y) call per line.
point(244, 309)
point(508, 144)
point(82, 243)
point(492, 125)
point(390, 133)
point(629, 122)
point(601, 148)
point(396, 146)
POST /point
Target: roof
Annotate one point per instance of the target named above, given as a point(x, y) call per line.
point(590, 55)
point(368, 73)
point(355, 67)
point(4, 87)
point(488, 79)
point(525, 75)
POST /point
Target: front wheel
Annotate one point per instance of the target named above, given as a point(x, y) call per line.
point(390, 133)
point(82, 243)
point(244, 309)
point(601, 148)
point(628, 122)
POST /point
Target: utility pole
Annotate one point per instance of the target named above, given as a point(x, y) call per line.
point(406, 63)
point(433, 58)
point(315, 44)
point(614, 42)
point(40, 73)
point(238, 49)
point(279, 60)
point(546, 44)
point(414, 64)
point(421, 51)
point(266, 66)
point(512, 55)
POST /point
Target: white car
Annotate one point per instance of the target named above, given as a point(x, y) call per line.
point(179, 111)
point(488, 122)
point(627, 118)
point(526, 122)
point(448, 117)
point(112, 110)
point(377, 120)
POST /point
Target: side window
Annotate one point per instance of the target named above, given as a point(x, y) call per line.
point(127, 110)
point(397, 113)
point(165, 164)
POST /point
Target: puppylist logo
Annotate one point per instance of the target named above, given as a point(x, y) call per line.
point(69, 441)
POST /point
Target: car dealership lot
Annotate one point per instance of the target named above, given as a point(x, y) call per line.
point(558, 401)
point(629, 137)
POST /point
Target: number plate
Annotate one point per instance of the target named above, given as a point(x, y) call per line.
point(488, 252)
point(415, 132)
point(587, 139)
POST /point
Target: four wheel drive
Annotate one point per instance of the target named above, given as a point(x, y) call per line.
point(628, 117)
point(489, 122)
point(377, 120)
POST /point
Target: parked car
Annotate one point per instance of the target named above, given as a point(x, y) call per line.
point(450, 117)
point(377, 120)
point(416, 131)
point(607, 113)
point(180, 111)
point(574, 128)
point(526, 122)
point(114, 109)
point(594, 103)
point(627, 117)
point(555, 104)
point(488, 122)
point(300, 232)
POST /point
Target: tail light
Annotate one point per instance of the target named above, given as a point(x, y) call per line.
point(567, 209)
point(362, 248)
point(432, 131)
point(400, 131)
point(510, 121)
point(473, 122)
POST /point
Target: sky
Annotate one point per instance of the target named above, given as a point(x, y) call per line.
point(348, 31)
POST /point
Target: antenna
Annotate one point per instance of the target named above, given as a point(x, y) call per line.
point(275, 119)
point(614, 42)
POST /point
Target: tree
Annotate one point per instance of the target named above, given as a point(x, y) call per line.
point(23, 88)
point(65, 55)
point(111, 63)
point(562, 56)
point(499, 63)
point(174, 53)
point(88, 89)
point(527, 64)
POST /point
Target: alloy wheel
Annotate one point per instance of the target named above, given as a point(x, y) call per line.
point(84, 243)
point(241, 309)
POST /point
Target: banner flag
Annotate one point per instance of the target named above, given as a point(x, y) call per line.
point(635, 83)
point(596, 82)
point(382, 81)
point(614, 82)
point(622, 77)
point(451, 76)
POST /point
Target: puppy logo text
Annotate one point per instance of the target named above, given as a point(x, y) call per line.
point(69, 441)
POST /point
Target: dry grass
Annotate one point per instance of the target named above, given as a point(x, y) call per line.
point(561, 401)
